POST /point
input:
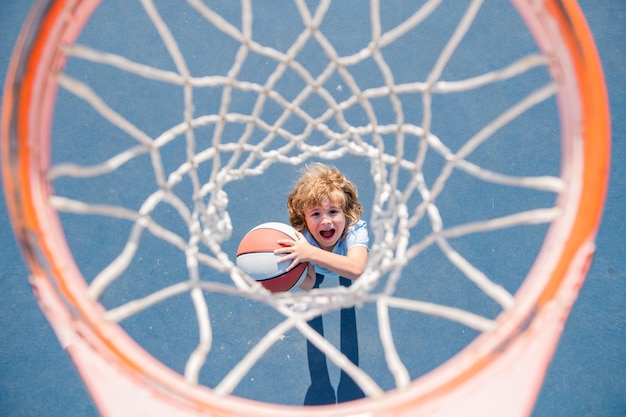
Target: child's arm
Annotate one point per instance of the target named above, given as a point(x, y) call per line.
point(350, 266)
point(309, 281)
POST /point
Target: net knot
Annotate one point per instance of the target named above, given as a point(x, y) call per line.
point(217, 223)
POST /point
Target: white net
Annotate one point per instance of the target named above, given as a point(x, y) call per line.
point(448, 129)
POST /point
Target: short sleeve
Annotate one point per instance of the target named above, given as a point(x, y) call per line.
point(358, 235)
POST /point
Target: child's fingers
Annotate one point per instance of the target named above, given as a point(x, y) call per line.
point(294, 262)
point(292, 265)
point(289, 250)
point(284, 249)
point(282, 258)
point(287, 255)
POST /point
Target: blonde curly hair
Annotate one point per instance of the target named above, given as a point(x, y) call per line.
point(318, 182)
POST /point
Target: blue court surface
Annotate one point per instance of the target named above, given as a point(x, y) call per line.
point(37, 378)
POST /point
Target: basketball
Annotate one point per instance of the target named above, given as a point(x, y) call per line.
point(256, 257)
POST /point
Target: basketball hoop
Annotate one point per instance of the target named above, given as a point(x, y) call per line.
point(499, 372)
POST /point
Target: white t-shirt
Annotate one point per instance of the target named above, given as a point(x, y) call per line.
point(357, 236)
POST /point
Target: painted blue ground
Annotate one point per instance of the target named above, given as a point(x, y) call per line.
point(586, 378)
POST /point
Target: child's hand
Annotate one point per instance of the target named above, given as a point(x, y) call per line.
point(296, 251)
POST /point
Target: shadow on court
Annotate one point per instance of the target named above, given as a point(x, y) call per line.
point(321, 392)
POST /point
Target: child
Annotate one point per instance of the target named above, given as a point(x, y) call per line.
point(325, 211)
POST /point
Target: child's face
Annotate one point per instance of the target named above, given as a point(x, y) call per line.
point(326, 223)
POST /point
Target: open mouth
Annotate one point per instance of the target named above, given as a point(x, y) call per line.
point(327, 234)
